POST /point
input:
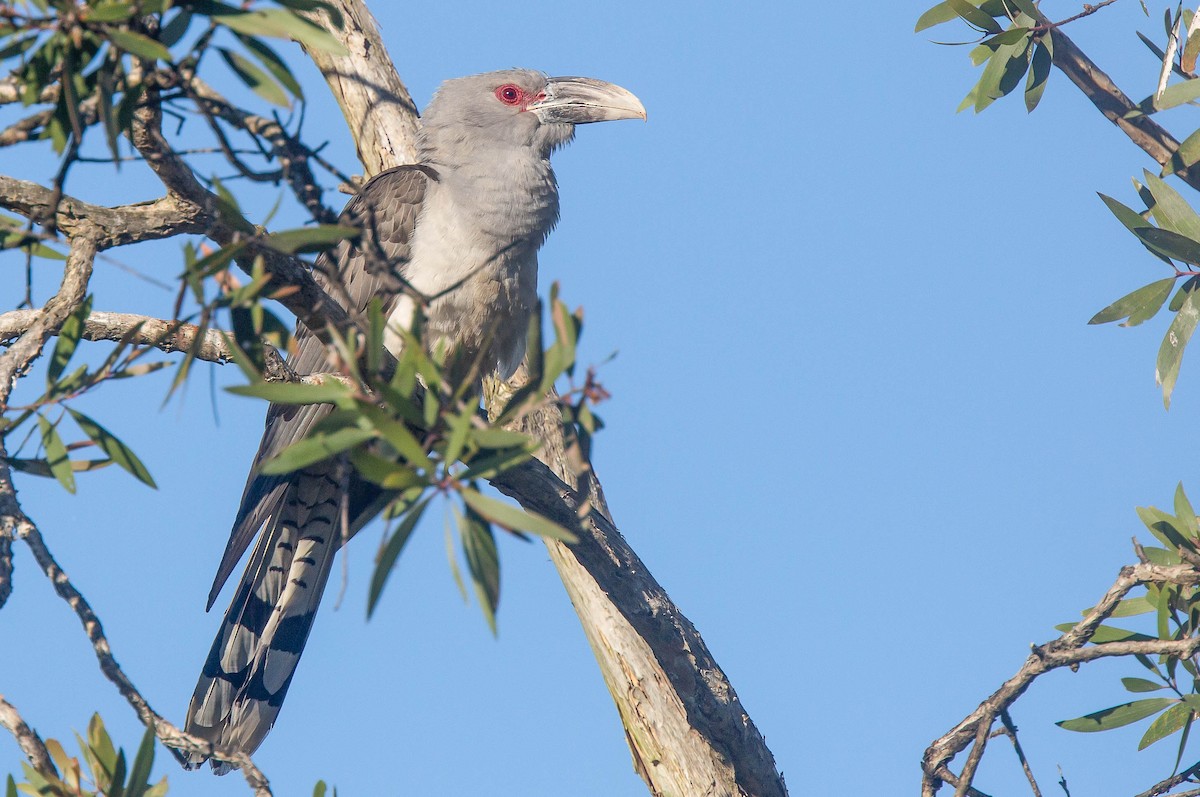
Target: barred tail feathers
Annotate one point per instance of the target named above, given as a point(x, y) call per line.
point(254, 656)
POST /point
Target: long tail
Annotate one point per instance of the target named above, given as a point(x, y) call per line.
point(253, 658)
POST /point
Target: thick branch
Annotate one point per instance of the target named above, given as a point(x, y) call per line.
point(108, 227)
point(1114, 104)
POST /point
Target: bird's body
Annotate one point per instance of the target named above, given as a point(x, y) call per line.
point(462, 229)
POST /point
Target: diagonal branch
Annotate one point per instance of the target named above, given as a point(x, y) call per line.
point(1069, 650)
point(27, 739)
point(1115, 104)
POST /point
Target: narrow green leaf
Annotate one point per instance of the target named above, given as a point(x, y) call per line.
point(397, 435)
point(319, 789)
point(490, 466)
point(273, 63)
point(384, 472)
point(1165, 724)
point(1170, 209)
point(514, 518)
point(310, 239)
point(138, 44)
point(1170, 353)
point(117, 451)
point(1107, 633)
point(1171, 244)
point(973, 15)
point(56, 455)
point(331, 392)
point(1137, 306)
point(174, 31)
point(942, 12)
point(1039, 75)
point(390, 551)
point(108, 12)
point(483, 562)
point(1185, 514)
point(139, 774)
point(1141, 685)
point(281, 23)
point(313, 449)
point(451, 557)
point(256, 79)
point(1117, 716)
point(1177, 94)
point(68, 339)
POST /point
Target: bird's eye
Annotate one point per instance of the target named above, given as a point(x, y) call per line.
point(509, 94)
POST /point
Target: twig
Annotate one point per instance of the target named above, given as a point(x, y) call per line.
point(1010, 730)
point(1087, 11)
point(1165, 785)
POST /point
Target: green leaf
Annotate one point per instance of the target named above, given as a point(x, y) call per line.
point(310, 239)
point(387, 474)
point(1176, 94)
point(117, 451)
point(450, 556)
point(1166, 724)
point(108, 12)
point(1039, 74)
point(56, 455)
point(973, 15)
point(139, 774)
point(495, 464)
point(1141, 685)
point(174, 31)
point(483, 562)
point(1170, 353)
point(68, 339)
point(1171, 244)
point(1138, 306)
point(1117, 716)
point(397, 435)
point(281, 23)
point(1107, 633)
point(315, 448)
point(1185, 514)
point(390, 551)
point(942, 12)
point(514, 518)
point(273, 64)
point(138, 44)
point(319, 789)
point(256, 79)
point(331, 392)
point(1171, 210)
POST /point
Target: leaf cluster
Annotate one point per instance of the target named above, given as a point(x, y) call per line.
point(104, 770)
point(414, 429)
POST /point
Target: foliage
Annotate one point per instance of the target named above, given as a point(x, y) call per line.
point(104, 771)
point(1176, 615)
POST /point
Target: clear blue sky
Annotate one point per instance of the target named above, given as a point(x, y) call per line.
point(860, 430)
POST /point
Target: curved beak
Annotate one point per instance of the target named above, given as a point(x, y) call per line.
point(581, 100)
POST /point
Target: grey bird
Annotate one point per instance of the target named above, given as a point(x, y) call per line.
point(464, 224)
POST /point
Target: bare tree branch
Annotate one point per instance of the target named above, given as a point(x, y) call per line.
point(27, 348)
point(1067, 651)
point(108, 227)
point(27, 739)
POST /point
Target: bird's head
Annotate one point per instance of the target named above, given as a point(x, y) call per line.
point(522, 108)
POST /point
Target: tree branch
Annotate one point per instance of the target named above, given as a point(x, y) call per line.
point(108, 227)
point(27, 348)
point(1114, 104)
point(27, 739)
point(1067, 651)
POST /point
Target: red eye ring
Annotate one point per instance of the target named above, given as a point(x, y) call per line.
point(510, 94)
